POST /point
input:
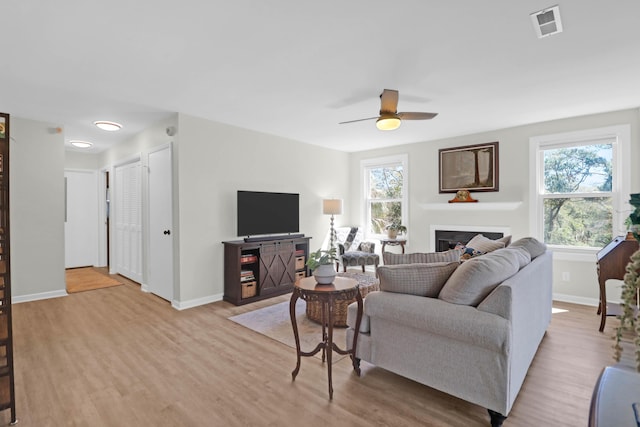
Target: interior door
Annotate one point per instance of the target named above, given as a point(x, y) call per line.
point(81, 222)
point(127, 219)
point(160, 277)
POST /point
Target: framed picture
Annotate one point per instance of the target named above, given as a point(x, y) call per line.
point(4, 124)
point(472, 168)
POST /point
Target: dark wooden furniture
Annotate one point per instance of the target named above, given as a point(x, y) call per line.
point(7, 389)
point(614, 396)
point(393, 242)
point(341, 289)
point(612, 261)
point(270, 266)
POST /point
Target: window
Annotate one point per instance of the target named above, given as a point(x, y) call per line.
point(385, 193)
point(580, 187)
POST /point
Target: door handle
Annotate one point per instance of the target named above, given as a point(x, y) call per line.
point(167, 232)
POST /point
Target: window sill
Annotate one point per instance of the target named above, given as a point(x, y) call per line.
point(581, 255)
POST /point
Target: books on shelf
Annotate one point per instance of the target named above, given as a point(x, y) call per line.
point(249, 258)
point(300, 252)
point(246, 276)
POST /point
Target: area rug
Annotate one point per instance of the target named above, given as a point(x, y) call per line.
point(275, 322)
point(88, 279)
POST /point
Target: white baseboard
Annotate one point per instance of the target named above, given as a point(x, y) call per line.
point(40, 296)
point(575, 299)
point(144, 288)
point(183, 305)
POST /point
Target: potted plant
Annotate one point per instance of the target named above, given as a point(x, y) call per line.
point(395, 228)
point(321, 263)
point(630, 289)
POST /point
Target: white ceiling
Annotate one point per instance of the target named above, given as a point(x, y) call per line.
point(295, 69)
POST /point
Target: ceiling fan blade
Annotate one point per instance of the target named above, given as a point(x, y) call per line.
point(417, 116)
point(359, 120)
point(389, 101)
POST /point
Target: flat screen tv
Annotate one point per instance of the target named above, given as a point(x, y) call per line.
point(262, 212)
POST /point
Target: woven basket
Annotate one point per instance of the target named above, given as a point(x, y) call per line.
point(367, 284)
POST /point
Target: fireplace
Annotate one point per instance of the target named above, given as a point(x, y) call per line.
point(445, 237)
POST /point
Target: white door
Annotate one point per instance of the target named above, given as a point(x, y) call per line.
point(160, 224)
point(127, 221)
point(81, 222)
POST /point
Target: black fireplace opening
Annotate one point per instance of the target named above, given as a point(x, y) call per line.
point(448, 239)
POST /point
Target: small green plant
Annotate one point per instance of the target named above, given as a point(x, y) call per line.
point(397, 226)
point(321, 257)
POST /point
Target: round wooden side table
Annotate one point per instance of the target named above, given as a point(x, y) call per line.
point(341, 289)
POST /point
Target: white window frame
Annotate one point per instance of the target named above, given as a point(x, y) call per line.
point(365, 166)
point(621, 136)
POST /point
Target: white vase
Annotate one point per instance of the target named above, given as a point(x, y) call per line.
point(324, 274)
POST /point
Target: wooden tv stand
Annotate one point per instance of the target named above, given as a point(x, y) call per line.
point(263, 269)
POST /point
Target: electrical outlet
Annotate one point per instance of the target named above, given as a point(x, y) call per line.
point(566, 277)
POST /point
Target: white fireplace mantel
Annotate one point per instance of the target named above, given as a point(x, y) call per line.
point(479, 206)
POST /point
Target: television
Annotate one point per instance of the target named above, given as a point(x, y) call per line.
point(262, 212)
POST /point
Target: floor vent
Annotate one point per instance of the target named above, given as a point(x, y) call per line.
point(546, 22)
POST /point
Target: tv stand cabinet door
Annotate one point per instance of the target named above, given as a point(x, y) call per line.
point(277, 267)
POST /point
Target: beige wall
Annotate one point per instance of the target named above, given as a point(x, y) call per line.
point(37, 210)
point(428, 207)
point(215, 161)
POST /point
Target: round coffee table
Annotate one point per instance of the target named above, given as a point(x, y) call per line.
point(366, 284)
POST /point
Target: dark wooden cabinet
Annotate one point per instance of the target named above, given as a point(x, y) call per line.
point(7, 391)
point(264, 269)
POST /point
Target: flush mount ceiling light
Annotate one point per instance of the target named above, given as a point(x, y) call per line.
point(388, 122)
point(108, 126)
point(80, 144)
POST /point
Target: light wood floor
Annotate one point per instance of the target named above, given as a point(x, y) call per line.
point(118, 356)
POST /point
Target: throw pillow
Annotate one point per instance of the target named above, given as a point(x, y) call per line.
point(484, 244)
point(418, 257)
point(506, 240)
point(470, 283)
point(367, 246)
point(424, 280)
point(533, 246)
point(522, 255)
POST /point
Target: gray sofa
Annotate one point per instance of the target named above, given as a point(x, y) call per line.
point(468, 329)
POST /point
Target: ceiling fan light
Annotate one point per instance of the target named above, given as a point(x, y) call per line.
point(108, 126)
point(388, 123)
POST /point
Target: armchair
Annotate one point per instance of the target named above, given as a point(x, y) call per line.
point(353, 250)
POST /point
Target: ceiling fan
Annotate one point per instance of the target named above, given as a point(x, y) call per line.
point(389, 118)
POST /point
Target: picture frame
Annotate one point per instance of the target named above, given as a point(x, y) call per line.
point(470, 167)
point(4, 126)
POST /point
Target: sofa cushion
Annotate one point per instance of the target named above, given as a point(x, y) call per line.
point(434, 316)
point(470, 283)
point(532, 245)
point(424, 280)
point(484, 244)
point(390, 258)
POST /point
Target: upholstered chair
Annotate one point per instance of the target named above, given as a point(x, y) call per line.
point(353, 251)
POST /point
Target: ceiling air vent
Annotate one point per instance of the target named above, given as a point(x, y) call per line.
point(547, 22)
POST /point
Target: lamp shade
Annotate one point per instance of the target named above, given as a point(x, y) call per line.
point(332, 206)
